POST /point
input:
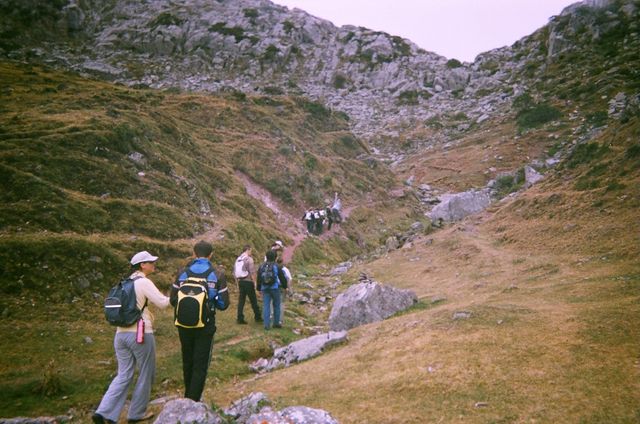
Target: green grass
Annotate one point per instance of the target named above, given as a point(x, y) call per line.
point(537, 115)
point(77, 204)
point(587, 153)
point(508, 184)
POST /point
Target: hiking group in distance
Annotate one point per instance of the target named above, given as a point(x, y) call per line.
point(316, 218)
point(199, 289)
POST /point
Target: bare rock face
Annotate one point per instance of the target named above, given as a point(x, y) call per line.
point(383, 82)
point(368, 302)
point(253, 46)
point(187, 411)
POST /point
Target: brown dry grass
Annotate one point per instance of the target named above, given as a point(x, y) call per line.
point(552, 280)
point(537, 348)
point(466, 163)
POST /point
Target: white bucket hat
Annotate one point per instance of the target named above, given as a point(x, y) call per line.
point(143, 256)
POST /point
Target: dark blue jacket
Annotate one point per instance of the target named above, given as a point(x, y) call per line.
point(216, 287)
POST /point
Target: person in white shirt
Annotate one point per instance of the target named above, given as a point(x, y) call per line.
point(285, 277)
point(335, 208)
point(131, 354)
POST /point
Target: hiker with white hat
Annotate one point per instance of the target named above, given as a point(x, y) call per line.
point(278, 248)
point(132, 353)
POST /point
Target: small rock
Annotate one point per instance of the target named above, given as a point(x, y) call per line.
point(88, 340)
point(162, 400)
point(438, 299)
point(461, 315)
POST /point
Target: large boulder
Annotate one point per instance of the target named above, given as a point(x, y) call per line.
point(187, 411)
point(454, 207)
point(366, 302)
point(299, 350)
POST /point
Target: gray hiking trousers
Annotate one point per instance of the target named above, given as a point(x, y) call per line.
point(130, 355)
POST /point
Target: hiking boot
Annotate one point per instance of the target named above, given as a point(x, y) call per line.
point(99, 419)
point(241, 321)
point(277, 325)
point(146, 417)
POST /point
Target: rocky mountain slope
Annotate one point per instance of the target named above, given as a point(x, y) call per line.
point(386, 84)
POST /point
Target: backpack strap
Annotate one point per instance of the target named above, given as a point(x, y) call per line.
point(146, 301)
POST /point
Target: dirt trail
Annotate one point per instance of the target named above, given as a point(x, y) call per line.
point(288, 223)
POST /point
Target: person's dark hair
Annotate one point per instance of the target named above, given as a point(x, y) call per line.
point(279, 261)
point(203, 249)
point(136, 267)
point(246, 247)
point(271, 255)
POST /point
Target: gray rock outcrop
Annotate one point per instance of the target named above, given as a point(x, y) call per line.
point(366, 302)
point(341, 268)
point(531, 176)
point(378, 79)
point(242, 409)
point(39, 420)
point(299, 350)
point(187, 411)
point(454, 207)
point(306, 415)
point(384, 83)
point(292, 415)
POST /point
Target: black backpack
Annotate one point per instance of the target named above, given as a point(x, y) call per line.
point(120, 306)
point(267, 275)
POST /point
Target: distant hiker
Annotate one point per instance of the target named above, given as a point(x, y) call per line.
point(269, 285)
point(335, 208)
point(285, 277)
point(312, 222)
point(308, 219)
point(329, 214)
point(277, 247)
point(323, 218)
point(198, 291)
point(317, 219)
point(245, 274)
point(131, 353)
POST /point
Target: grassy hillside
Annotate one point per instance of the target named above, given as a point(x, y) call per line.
point(529, 312)
point(92, 172)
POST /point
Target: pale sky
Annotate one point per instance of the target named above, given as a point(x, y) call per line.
point(458, 29)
